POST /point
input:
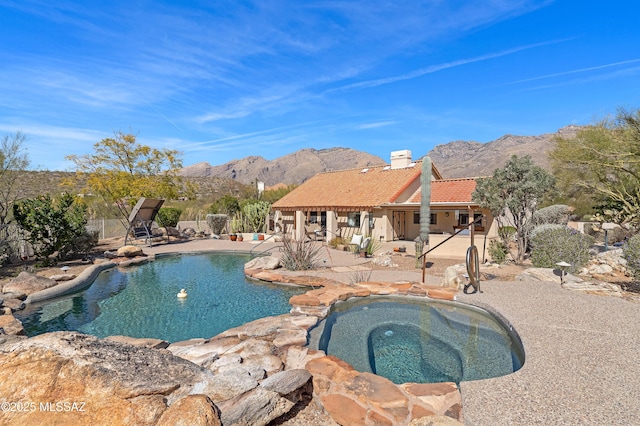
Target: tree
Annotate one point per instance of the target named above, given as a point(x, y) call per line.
point(603, 160)
point(121, 171)
point(513, 194)
point(13, 161)
point(227, 204)
point(51, 226)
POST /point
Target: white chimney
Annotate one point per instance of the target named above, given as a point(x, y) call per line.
point(400, 159)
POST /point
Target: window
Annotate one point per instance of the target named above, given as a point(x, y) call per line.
point(320, 218)
point(353, 219)
point(464, 219)
point(433, 220)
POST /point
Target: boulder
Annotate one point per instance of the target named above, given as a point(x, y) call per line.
point(143, 342)
point(27, 283)
point(117, 383)
point(130, 251)
point(545, 274)
point(454, 276)
point(62, 277)
point(14, 304)
point(11, 326)
point(192, 410)
point(263, 262)
point(274, 397)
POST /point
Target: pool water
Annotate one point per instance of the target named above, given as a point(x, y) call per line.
point(413, 340)
point(141, 301)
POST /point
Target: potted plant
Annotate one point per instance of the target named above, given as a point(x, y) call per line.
point(240, 237)
point(233, 237)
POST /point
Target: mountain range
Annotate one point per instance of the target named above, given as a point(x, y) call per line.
point(454, 160)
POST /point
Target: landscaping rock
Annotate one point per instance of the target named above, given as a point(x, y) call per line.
point(192, 410)
point(142, 342)
point(276, 396)
point(14, 304)
point(263, 262)
point(62, 277)
point(27, 283)
point(11, 326)
point(454, 276)
point(118, 383)
point(130, 251)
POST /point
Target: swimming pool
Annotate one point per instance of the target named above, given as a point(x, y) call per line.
point(141, 301)
point(412, 340)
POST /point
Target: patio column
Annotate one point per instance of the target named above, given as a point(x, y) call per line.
point(332, 225)
point(300, 220)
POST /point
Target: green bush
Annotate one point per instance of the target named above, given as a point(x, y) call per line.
point(550, 245)
point(631, 252)
point(52, 226)
point(498, 251)
point(168, 216)
point(506, 232)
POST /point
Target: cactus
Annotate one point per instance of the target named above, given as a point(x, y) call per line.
point(425, 205)
point(256, 215)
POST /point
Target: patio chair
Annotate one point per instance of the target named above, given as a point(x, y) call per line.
point(141, 219)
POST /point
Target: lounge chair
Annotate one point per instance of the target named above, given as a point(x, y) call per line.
point(141, 219)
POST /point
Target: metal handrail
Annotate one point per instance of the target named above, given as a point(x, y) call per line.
point(450, 237)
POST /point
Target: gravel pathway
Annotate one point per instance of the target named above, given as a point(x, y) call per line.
point(581, 364)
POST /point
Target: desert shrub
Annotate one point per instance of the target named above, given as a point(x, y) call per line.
point(217, 222)
point(557, 214)
point(300, 255)
point(551, 244)
point(506, 232)
point(337, 241)
point(544, 228)
point(498, 251)
point(82, 244)
point(631, 252)
point(168, 216)
point(360, 276)
point(51, 226)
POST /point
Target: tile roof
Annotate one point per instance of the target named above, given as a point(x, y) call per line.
point(448, 191)
point(352, 189)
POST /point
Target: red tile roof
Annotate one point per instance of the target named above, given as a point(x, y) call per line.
point(352, 189)
point(448, 191)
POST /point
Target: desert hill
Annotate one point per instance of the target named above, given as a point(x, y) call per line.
point(471, 159)
point(454, 159)
point(295, 168)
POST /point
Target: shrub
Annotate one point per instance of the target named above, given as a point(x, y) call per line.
point(506, 232)
point(631, 252)
point(52, 226)
point(555, 244)
point(557, 214)
point(336, 241)
point(168, 216)
point(498, 251)
point(300, 255)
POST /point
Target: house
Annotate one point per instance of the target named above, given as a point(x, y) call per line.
point(384, 203)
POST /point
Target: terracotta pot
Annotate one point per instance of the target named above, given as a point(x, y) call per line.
point(240, 238)
point(233, 237)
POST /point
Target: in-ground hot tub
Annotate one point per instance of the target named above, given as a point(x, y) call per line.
point(414, 340)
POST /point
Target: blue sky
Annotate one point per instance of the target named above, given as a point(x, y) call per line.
point(221, 80)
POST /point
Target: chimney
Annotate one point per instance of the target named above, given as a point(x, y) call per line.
point(400, 159)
